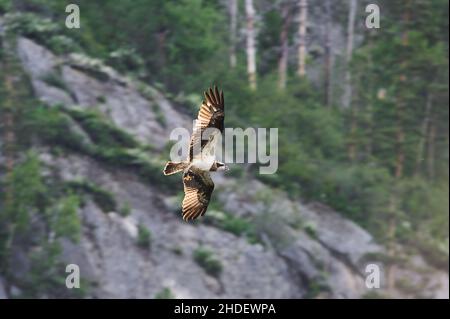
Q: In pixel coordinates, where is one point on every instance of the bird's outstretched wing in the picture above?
(198, 187)
(210, 115)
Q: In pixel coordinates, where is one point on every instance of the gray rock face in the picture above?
(309, 250)
(331, 255)
(149, 119)
(2, 290)
(109, 255)
(339, 235)
(40, 64)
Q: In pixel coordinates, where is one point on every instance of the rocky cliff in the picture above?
(255, 241)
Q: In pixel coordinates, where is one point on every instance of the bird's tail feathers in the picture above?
(174, 167)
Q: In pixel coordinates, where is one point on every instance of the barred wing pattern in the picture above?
(211, 115)
(198, 187)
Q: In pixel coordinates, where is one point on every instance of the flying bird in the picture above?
(198, 185)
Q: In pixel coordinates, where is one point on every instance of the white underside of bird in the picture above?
(206, 158)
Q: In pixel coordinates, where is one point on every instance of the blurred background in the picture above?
(85, 119)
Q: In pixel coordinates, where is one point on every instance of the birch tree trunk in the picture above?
(233, 30)
(303, 20)
(251, 49)
(348, 57)
(284, 40)
(328, 55)
(348, 85)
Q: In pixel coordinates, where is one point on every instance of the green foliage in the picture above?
(66, 221)
(112, 145)
(5, 5)
(41, 29)
(35, 212)
(31, 197)
(103, 198)
(356, 191)
(55, 128)
(42, 277)
(125, 210)
(160, 118)
(165, 293)
(423, 219)
(46, 277)
(101, 99)
(270, 229)
(54, 79)
(206, 259)
(144, 238)
(425, 202)
(311, 230)
(127, 60)
(175, 50)
(61, 44)
(101, 131)
(226, 221)
(316, 286)
(28, 191)
(435, 251)
(374, 295)
(30, 25)
(138, 162)
(186, 45)
(177, 250)
(236, 225)
(236, 171)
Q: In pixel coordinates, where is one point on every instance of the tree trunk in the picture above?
(423, 133)
(8, 123)
(233, 29)
(348, 57)
(328, 55)
(391, 236)
(161, 38)
(369, 106)
(400, 141)
(251, 49)
(400, 157)
(431, 150)
(303, 20)
(348, 85)
(400, 107)
(8, 126)
(353, 126)
(284, 40)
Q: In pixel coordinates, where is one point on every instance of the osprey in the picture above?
(198, 185)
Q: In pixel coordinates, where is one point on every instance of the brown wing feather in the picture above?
(211, 114)
(198, 187)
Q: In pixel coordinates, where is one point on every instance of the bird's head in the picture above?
(222, 167)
